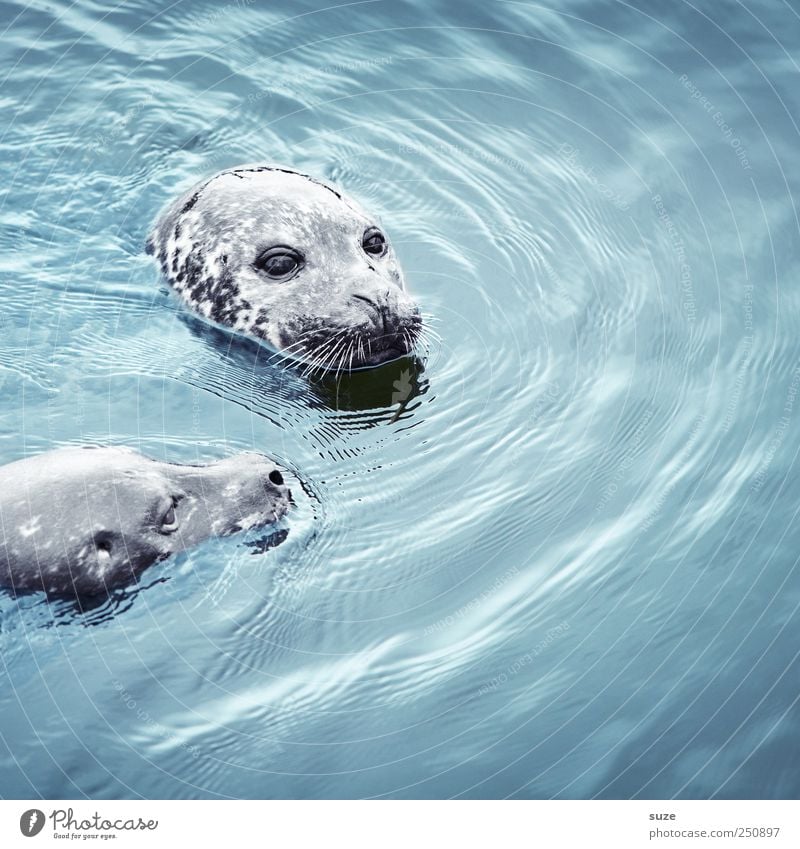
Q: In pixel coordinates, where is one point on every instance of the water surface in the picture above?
(559, 558)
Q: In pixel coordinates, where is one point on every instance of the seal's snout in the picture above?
(255, 482)
(380, 311)
(278, 483)
(274, 487)
(389, 312)
(394, 324)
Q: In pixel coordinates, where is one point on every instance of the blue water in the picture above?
(566, 566)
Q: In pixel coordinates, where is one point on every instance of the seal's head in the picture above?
(274, 254)
(82, 521)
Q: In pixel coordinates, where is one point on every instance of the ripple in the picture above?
(596, 436)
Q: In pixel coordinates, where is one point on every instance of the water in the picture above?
(566, 566)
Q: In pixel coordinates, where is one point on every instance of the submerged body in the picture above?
(82, 521)
(288, 260)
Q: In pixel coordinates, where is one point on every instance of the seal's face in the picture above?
(81, 521)
(274, 254)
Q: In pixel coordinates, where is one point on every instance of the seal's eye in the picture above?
(374, 242)
(280, 262)
(169, 521)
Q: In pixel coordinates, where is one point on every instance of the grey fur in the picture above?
(82, 521)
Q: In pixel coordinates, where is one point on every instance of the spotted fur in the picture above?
(341, 302)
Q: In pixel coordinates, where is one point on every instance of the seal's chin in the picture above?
(377, 350)
(338, 352)
(381, 355)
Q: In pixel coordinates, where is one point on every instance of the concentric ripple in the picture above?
(552, 554)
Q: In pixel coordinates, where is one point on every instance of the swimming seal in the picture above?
(287, 259)
(78, 522)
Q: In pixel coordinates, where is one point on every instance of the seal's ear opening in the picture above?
(103, 547)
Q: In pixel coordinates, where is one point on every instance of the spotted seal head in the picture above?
(78, 522)
(289, 260)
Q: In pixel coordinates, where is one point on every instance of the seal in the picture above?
(79, 522)
(279, 256)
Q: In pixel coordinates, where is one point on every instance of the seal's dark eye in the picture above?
(169, 521)
(374, 242)
(280, 266)
(280, 262)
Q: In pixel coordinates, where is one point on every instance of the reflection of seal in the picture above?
(81, 521)
(277, 255)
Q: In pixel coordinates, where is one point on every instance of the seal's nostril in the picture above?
(276, 477)
(382, 310)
